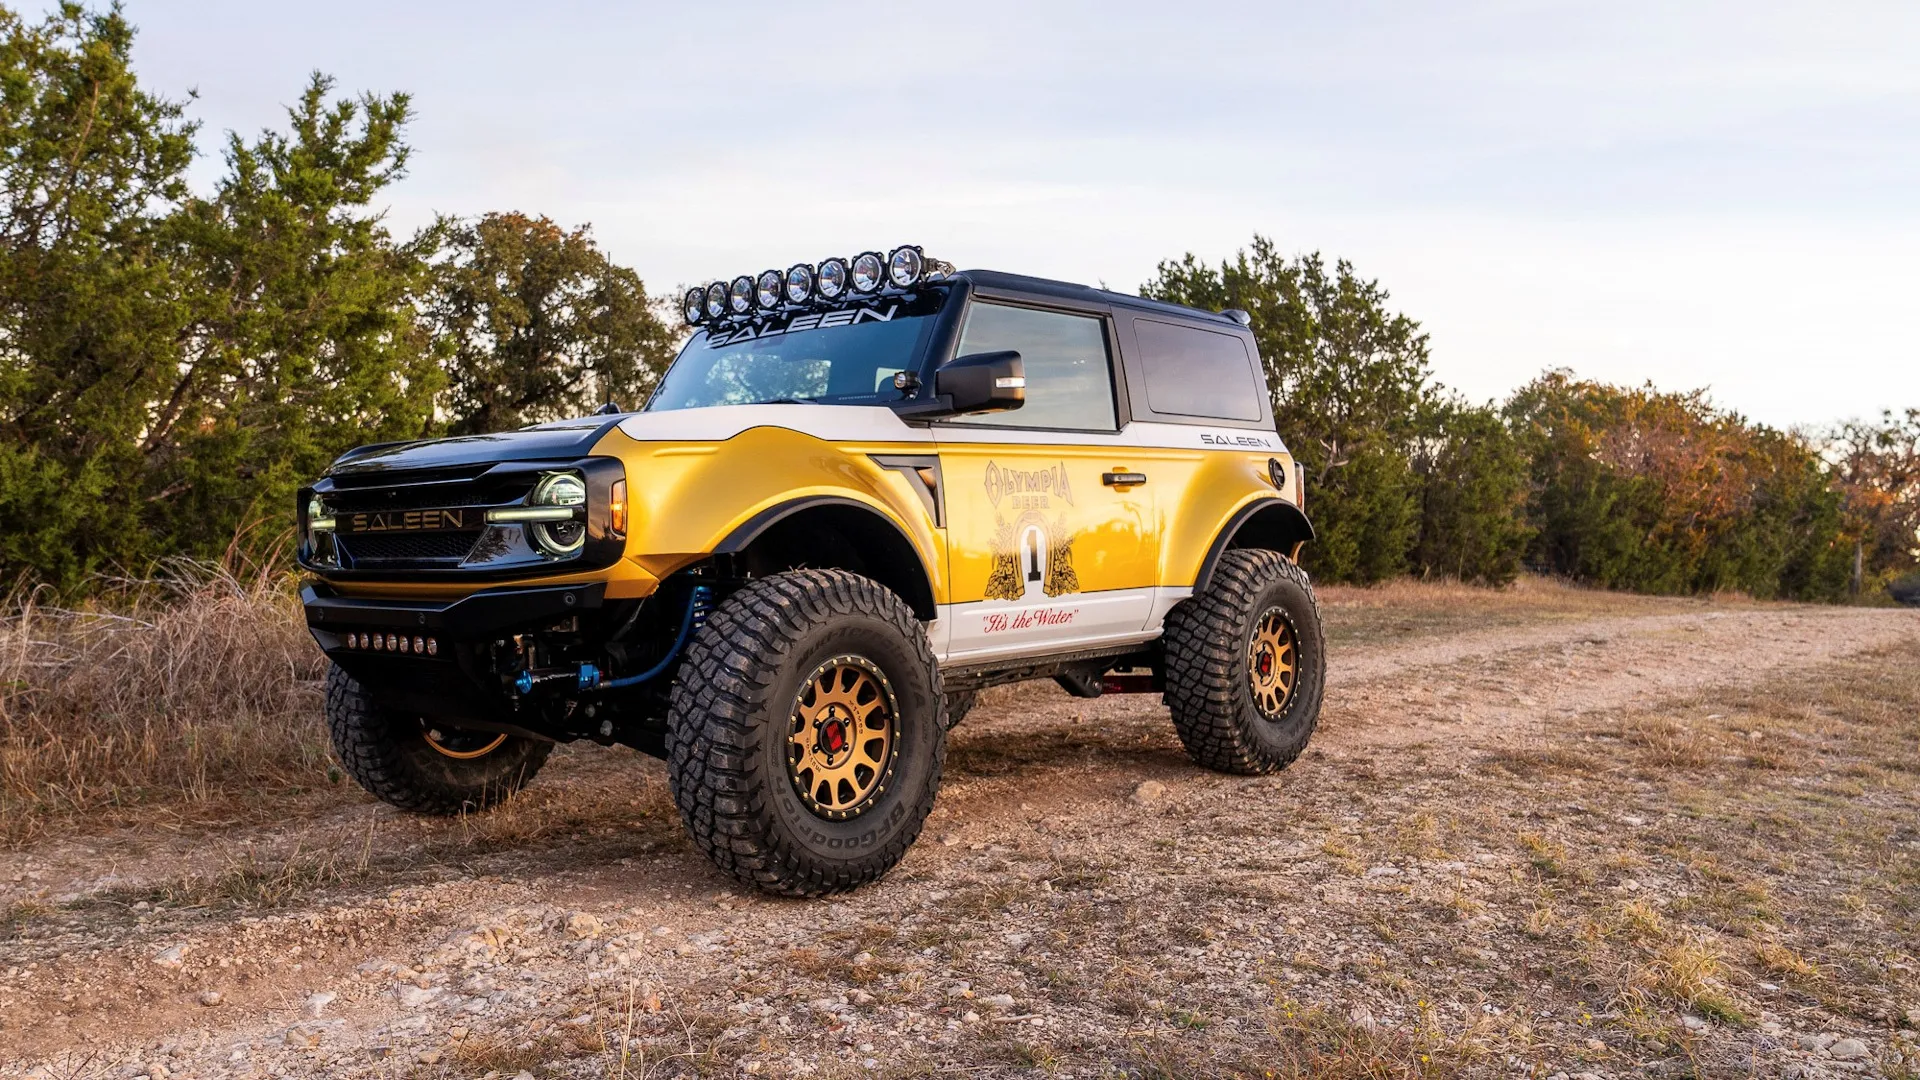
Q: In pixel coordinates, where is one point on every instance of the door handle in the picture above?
(1123, 479)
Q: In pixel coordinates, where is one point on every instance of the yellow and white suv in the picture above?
(865, 490)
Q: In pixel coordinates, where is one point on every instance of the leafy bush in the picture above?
(1626, 489)
(1662, 493)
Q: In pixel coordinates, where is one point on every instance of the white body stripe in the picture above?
(830, 423)
(987, 630)
(875, 423)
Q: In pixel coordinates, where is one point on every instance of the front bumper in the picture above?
(479, 616)
(454, 682)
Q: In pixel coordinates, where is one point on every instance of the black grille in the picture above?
(364, 547)
(429, 496)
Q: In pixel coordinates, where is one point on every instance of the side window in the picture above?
(1069, 376)
(1194, 372)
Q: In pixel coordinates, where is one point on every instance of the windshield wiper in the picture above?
(790, 401)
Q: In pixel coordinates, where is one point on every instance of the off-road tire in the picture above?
(1209, 686)
(388, 754)
(959, 704)
(730, 721)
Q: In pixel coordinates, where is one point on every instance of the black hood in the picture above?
(562, 440)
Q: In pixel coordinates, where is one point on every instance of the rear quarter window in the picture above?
(1195, 372)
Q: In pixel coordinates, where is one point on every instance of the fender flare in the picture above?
(744, 534)
(1276, 517)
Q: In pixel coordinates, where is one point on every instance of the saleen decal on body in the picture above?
(1234, 440)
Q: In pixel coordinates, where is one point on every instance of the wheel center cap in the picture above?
(834, 736)
(1263, 662)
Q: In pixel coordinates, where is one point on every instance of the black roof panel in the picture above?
(1067, 290)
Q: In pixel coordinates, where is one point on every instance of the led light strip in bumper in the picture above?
(393, 643)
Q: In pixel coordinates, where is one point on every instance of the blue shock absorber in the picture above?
(699, 604)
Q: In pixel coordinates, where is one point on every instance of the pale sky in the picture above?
(1720, 194)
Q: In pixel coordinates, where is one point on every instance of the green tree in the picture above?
(1349, 381)
(1662, 492)
(1877, 470)
(1473, 495)
(91, 304)
(304, 338)
(541, 325)
(171, 365)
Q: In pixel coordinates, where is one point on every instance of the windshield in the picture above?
(847, 356)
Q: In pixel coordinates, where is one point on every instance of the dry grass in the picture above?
(1406, 608)
(1577, 897)
(186, 690)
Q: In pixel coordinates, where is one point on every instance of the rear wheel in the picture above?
(806, 732)
(420, 765)
(1246, 662)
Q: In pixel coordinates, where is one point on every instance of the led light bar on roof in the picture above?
(831, 281)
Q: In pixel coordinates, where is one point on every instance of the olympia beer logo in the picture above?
(1032, 557)
(1029, 489)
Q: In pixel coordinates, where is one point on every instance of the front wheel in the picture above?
(1246, 663)
(806, 732)
(420, 765)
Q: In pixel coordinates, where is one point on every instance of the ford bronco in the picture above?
(865, 490)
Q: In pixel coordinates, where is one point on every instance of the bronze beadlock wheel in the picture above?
(841, 746)
(1246, 664)
(420, 764)
(463, 745)
(1272, 663)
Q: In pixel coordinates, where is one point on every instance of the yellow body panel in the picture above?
(1200, 491)
(685, 498)
(1004, 499)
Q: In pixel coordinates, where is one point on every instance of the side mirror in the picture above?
(982, 382)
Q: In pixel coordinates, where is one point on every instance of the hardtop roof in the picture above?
(1067, 290)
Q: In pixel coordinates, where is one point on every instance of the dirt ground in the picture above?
(1541, 832)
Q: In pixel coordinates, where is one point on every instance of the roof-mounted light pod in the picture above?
(768, 290)
(693, 308)
(716, 300)
(833, 279)
(740, 295)
(799, 283)
(869, 273)
(905, 267)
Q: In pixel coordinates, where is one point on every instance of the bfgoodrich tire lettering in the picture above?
(390, 755)
(730, 725)
(1210, 683)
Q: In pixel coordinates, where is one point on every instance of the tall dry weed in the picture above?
(194, 687)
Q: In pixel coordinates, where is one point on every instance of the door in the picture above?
(1051, 541)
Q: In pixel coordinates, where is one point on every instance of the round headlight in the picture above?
(832, 282)
(740, 296)
(767, 291)
(560, 489)
(716, 299)
(905, 266)
(559, 537)
(694, 307)
(869, 272)
(799, 283)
